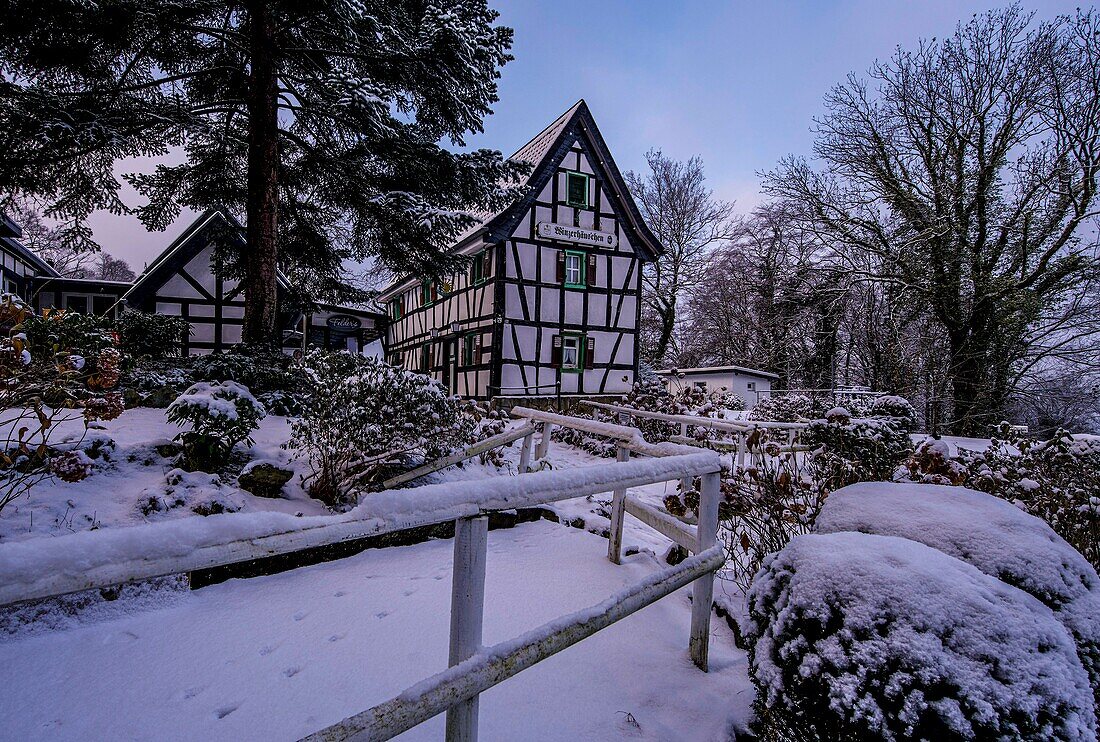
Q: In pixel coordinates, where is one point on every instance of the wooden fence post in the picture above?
(467, 612)
(544, 441)
(741, 438)
(702, 590)
(618, 507)
(525, 453)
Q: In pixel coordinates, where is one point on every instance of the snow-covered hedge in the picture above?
(221, 415)
(780, 407)
(898, 409)
(854, 450)
(856, 636)
(996, 537)
(362, 417)
(150, 335)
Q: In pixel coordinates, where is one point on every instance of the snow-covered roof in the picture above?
(719, 370)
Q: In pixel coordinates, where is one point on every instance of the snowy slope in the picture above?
(281, 656)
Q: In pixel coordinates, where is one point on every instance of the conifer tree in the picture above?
(321, 123)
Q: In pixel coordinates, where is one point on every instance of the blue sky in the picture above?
(736, 82)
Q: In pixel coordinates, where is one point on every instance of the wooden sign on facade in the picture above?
(551, 231)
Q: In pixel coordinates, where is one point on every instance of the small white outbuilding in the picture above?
(747, 383)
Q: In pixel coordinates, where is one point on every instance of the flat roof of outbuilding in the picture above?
(719, 370)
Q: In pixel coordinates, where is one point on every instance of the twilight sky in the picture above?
(736, 82)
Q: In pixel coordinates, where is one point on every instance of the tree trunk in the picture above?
(261, 258)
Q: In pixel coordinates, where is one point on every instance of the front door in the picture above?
(450, 365)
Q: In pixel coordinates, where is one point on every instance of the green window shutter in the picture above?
(576, 189)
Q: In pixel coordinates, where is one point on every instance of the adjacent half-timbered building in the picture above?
(186, 281)
(20, 269)
(551, 302)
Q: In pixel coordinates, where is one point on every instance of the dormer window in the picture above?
(576, 190)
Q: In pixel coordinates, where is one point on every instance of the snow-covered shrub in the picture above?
(1057, 480)
(362, 418)
(52, 370)
(781, 408)
(482, 423)
(764, 506)
(855, 636)
(58, 333)
(724, 399)
(221, 415)
(898, 409)
(996, 537)
(931, 463)
(268, 374)
(148, 335)
(851, 450)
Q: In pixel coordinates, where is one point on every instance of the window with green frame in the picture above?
(576, 190)
(572, 352)
(469, 345)
(574, 269)
(429, 292)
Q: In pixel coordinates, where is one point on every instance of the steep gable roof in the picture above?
(543, 153)
(189, 243)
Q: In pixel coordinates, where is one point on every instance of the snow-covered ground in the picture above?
(281, 656)
(135, 472)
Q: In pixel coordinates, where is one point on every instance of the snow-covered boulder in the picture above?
(855, 636)
(992, 534)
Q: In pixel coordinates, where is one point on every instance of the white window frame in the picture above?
(571, 343)
(574, 269)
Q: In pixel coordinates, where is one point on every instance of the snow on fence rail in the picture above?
(43, 568)
(745, 442)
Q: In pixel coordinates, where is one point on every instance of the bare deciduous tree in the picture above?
(968, 173)
(688, 220)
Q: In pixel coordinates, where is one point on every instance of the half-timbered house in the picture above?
(187, 281)
(551, 301)
(184, 280)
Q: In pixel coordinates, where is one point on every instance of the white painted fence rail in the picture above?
(43, 568)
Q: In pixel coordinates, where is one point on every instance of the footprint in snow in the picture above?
(291, 671)
(268, 649)
(300, 615)
(225, 711)
(381, 614)
(339, 593)
(336, 637)
(407, 593)
(192, 692)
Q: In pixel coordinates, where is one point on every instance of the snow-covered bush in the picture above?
(270, 376)
(763, 507)
(60, 333)
(898, 409)
(143, 335)
(724, 399)
(856, 636)
(996, 537)
(362, 418)
(45, 382)
(1057, 480)
(781, 408)
(931, 463)
(221, 415)
(851, 450)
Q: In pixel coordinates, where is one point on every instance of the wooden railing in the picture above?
(747, 441)
(44, 568)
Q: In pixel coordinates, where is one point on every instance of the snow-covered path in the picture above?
(281, 656)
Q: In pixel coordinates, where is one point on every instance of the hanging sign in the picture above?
(551, 231)
(343, 322)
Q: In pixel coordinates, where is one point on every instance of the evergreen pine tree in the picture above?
(320, 122)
